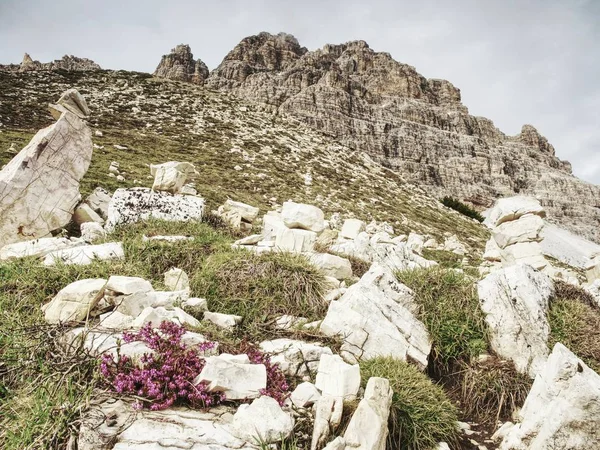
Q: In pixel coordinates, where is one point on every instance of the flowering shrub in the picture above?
(166, 375)
(277, 385)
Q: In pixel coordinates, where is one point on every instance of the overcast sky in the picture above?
(515, 62)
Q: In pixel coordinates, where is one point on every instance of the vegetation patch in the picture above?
(449, 308)
(421, 414)
(462, 208)
(261, 286)
(490, 390)
(574, 321)
(444, 258)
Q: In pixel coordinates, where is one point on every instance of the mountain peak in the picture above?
(179, 65)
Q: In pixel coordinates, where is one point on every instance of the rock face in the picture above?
(515, 302)
(419, 126)
(562, 410)
(39, 188)
(179, 65)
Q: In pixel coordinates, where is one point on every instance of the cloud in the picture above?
(516, 62)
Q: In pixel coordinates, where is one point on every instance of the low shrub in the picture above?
(462, 208)
(165, 376)
(421, 414)
(574, 320)
(449, 308)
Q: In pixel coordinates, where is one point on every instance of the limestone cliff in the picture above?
(418, 126)
(179, 65)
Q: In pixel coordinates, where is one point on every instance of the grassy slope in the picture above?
(160, 121)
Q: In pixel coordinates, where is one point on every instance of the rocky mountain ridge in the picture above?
(369, 102)
(416, 126)
(67, 62)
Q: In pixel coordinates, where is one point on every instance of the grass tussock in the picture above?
(259, 287)
(450, 310)
(444, 258)
(490, 390)
(421, 414)
(574, 321)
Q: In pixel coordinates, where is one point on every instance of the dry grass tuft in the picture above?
(490, 390)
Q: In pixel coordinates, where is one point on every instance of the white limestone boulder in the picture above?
(272, 222)
(332, 265)
(511, 208)
(376, 317)
(305, 394)
(328, 416)
(263, 420)
(37, 247)
(246, 212)
(492, 251)
(368, 428)
(562, 409)
(128, 285)
(176, 280)
(237, 380)
(594, 290)
(74, 302)
(133, 304)
(295, 358)
(136, 204)
(352, 228)
(85, 254)
(337, 378)
(158, 315)
(524, 253)
(72, 101)
(227, 321)
(116, 425)
(527, 228)
(39, 187)
(515, 301)
(300, 215)
(296, 241)
(171, 176)
(99, 200)
(92, 231)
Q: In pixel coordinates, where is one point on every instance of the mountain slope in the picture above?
(241, 153)
(414, 125)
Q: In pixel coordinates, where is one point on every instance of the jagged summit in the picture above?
(179, 65)
(67, 62)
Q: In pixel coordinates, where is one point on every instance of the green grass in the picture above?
(259, 287)
(444, 258)
(42, 389)
(421, 414)
(574, 320)
(450, 311)
(486, 391)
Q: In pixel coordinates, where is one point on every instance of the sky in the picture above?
(515, 61)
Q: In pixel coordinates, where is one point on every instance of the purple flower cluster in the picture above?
(277, 386)
(164, 376)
